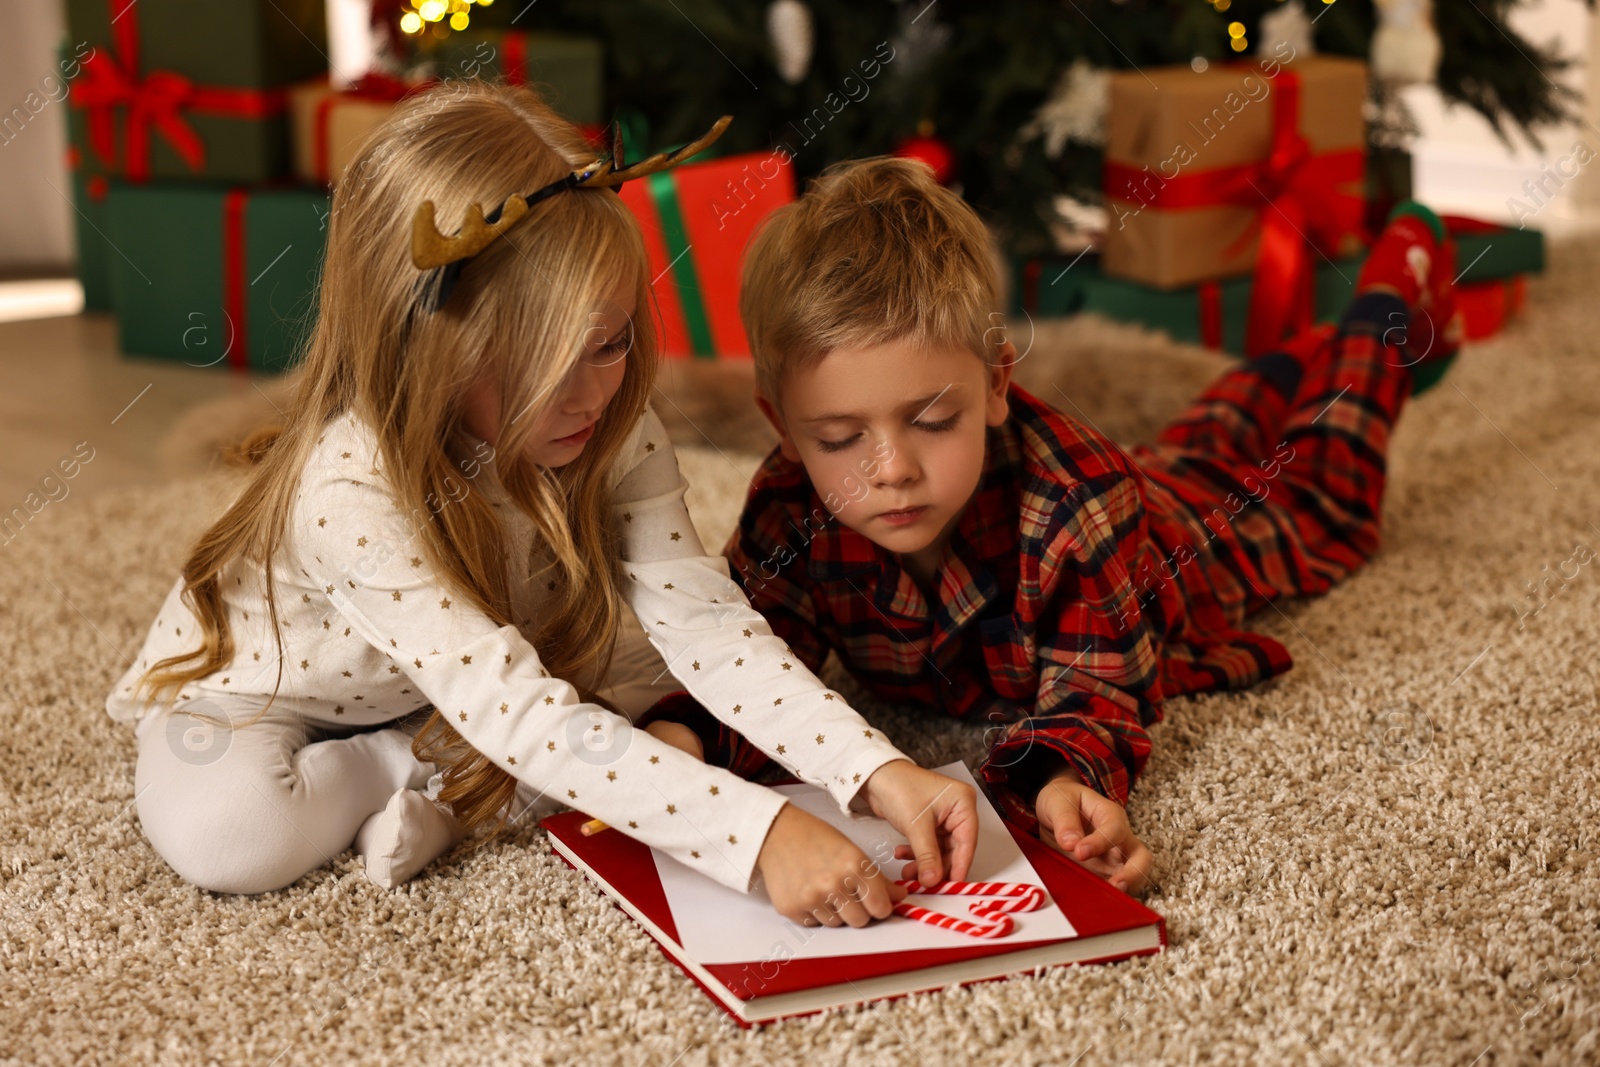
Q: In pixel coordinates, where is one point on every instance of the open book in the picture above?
(760, 966)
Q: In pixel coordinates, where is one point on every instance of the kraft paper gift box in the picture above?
(1246, 167)
(327, 125)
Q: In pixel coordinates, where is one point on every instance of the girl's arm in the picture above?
(721, 648)
(350, 538)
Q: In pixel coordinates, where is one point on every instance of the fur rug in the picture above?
(1386, 856)
(708, 402)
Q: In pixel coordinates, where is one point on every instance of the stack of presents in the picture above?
(206, 140)
(1240, 201)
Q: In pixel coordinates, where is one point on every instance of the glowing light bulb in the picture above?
(1235, 29)
(1240, 44)
(411, 22)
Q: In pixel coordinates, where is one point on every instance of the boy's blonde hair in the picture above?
(520, 318)
(875, 251)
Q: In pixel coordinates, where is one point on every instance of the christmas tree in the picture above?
(1008, 98)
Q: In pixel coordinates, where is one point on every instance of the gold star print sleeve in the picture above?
(349, 534)
(720, 647)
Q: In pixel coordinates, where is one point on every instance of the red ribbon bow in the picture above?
(1304, 208)
(158, 100)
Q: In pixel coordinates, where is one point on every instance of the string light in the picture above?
(441, 16)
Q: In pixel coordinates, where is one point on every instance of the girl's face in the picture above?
(559, 436)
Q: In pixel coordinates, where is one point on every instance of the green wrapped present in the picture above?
(1487, 251)
(216, 276)
(186, 89)
(1213, 314)
(89, 192)
(568, 69)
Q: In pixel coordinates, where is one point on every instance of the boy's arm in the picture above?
(1098, 653)
(720, 744)
(764, 554)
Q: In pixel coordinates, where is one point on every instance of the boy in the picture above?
(964, 547)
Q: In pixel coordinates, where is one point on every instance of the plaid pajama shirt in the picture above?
(1085, 584)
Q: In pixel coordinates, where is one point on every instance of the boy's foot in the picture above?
(1415, 259)
(407, 835)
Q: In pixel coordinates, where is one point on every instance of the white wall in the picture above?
(1461, 166)
(36, 232)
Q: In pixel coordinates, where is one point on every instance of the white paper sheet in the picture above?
(719, 925)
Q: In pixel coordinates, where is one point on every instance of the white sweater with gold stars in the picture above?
(371, 634)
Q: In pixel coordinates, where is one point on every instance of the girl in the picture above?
(427, 568)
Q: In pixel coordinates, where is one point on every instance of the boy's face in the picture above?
(892, 427)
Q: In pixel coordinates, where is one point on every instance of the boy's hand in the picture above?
(1066, 808)
(678, 736)
(935, 814)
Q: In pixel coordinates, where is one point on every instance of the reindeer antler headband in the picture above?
(431, 249)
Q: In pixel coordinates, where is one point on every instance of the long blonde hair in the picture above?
(518, 316)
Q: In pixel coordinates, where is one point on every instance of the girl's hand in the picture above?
(1066, 807)
(816, 875)
(937, 815)
(678, 736)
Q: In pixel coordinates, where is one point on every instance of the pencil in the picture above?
(592, 827)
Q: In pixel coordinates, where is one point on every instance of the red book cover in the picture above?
(1110, 925)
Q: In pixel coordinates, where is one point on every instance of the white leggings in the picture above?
(250, 810)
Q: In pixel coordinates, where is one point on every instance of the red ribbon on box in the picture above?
(235, 293)
(514, 64)
(158, 100)
(1211, 314)
(1304, 209)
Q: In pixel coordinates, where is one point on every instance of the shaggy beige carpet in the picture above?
(1385, 856)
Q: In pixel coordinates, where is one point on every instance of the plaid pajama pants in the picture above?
(1273, 476)
(1277, 470)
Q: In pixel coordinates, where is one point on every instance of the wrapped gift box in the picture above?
(185, 89)
(568, 69)
(1214, 314)
(1487, 251)
(216, 276)
(1200, 166)
(89, 191)
(1487, 306)
(328, 125)
(697, 219)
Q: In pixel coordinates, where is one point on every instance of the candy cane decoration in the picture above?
(1014, 896)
